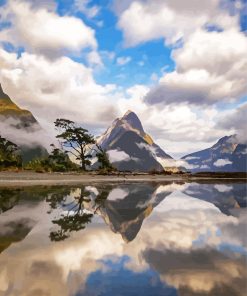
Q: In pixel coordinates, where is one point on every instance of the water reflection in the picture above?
(126, 239)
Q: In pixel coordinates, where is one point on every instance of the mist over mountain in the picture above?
(20, 118)
(21, 127)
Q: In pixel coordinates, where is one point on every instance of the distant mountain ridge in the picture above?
(129, 147)
(20, 121)
(227, 155)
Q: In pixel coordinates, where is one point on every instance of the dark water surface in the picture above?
(124, 239)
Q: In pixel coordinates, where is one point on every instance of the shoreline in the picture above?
(15, 179)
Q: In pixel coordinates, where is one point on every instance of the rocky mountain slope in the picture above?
(129, 147)
(227, 155)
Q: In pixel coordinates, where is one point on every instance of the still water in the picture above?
(124, 239)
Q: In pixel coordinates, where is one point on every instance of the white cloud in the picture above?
(192, 157)
(147, 147)
(43, 31)
(209, 69)
(51, 89)
(223, 187)
(94, 59)
(167, 19)
(174, 127)
(222, 162)
(204, 166)
(116, 155)
(235, 120)
(123, 60)
(171, 163)
(32, 136)
(84, 7)
(117, 194)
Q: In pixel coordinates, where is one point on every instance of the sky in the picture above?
(181, 66)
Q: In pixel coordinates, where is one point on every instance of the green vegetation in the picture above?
(9, 154)
(57, 161)
(73, 139)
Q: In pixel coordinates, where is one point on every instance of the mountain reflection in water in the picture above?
(124, 239)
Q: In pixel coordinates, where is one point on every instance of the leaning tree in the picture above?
(75, 140)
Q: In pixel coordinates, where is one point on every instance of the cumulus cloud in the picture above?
(170, 20)
(222, 162)
(40, 30)
(209, 70)
(235, 120)
(54, 88)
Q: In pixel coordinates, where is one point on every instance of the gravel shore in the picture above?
(32, 178)
(28, 178)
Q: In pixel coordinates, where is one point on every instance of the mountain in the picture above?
(129, 147)
(127, 206)
(226, 197)
(19, 126)
(9, 110)
(125, 215)
(227, 155)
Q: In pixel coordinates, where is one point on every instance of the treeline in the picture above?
(76, 143)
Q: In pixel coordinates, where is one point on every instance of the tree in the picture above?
(75, 140)
(9, 154)
(103, 159)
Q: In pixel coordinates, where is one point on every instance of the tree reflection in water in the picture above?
(76, 217)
